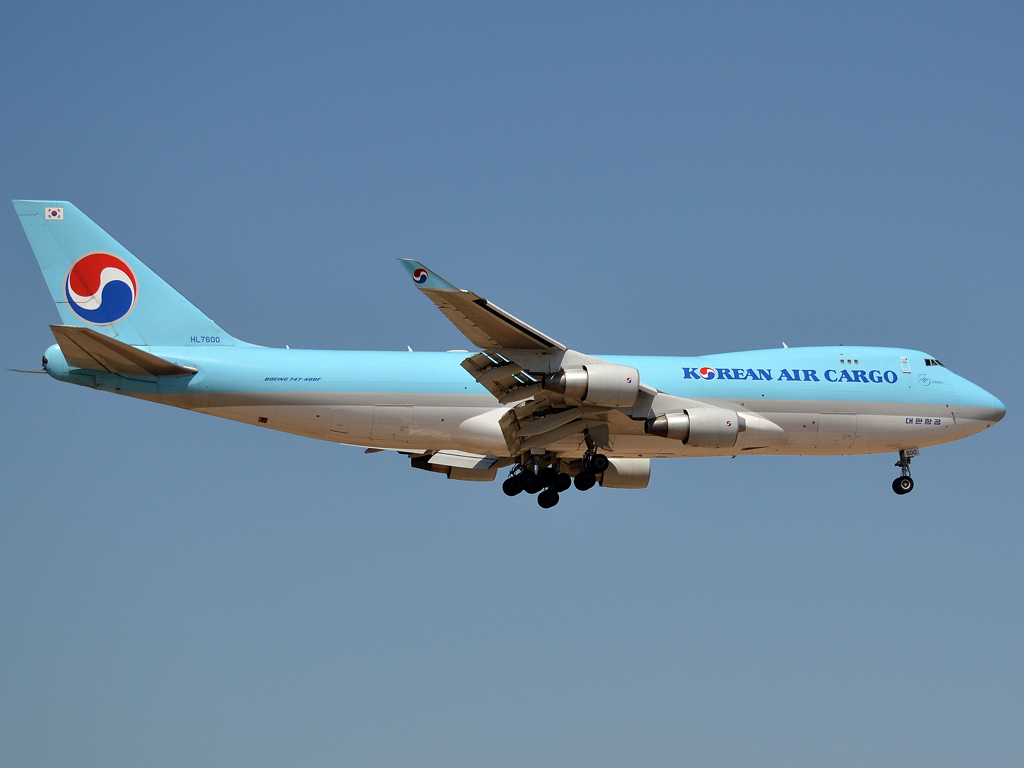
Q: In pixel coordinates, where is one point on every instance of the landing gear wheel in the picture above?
(598, 463)
(547, 499)
(531, 483)
(513, 486)
(903, 485)
(584, 481)
(562, 483)
(547, 476)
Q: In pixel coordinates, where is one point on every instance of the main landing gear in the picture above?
(547, 482)
(592, 465)
(904, 483)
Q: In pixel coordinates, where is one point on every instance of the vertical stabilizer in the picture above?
(98, 283)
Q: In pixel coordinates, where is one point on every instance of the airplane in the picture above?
(552, 416)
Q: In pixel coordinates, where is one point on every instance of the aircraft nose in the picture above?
(984, 406)
(999, 410)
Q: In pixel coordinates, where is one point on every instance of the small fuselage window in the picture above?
(933, 361)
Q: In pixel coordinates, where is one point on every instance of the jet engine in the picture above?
(632, 474)
(608, 384)
(701, 427)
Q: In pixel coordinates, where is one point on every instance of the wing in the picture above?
(493, 329)
(561, 402)
(484, 324)
(512, 367)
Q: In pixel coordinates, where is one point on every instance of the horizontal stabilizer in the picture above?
(85, 348)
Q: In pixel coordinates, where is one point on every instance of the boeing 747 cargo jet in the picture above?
(552, 416)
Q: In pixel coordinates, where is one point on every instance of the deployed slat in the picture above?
(499, 372)
(505, 380)
(521, 393)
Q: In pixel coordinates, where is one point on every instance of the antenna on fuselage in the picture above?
(785, 345)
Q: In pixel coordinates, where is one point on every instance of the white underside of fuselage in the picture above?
(418, 423)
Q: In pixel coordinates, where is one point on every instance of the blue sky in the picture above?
(176, 589)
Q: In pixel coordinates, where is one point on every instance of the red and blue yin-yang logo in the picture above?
(100, 288)
(707, 373)
(420, 275)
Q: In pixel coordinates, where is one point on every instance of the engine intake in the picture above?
(617, 386)
(703, 427)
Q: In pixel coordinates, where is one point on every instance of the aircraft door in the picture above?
(836, 431)
(341, 420)
(352, 421)
(392, 424)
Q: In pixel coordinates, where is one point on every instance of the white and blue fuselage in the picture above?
(827, 400)
(554, 415)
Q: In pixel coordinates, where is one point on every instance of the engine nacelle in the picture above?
(632, 474)
(702, 427)
(617, 386)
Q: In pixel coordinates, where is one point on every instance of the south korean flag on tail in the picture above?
(54, 214)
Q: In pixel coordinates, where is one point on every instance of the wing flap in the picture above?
(85, 348)
(459, 465)
(462, 459)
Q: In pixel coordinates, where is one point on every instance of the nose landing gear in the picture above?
(904, 483)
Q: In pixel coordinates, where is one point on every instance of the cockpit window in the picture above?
(933, 361)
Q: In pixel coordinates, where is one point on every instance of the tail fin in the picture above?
(97, 283)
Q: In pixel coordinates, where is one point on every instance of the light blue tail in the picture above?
(97, 283)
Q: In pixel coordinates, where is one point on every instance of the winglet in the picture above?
(425, 278)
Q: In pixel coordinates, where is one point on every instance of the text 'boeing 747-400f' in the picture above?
(555, 417)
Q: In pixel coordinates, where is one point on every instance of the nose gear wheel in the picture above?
(904, 483)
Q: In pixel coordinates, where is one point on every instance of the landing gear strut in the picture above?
(904, 483)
